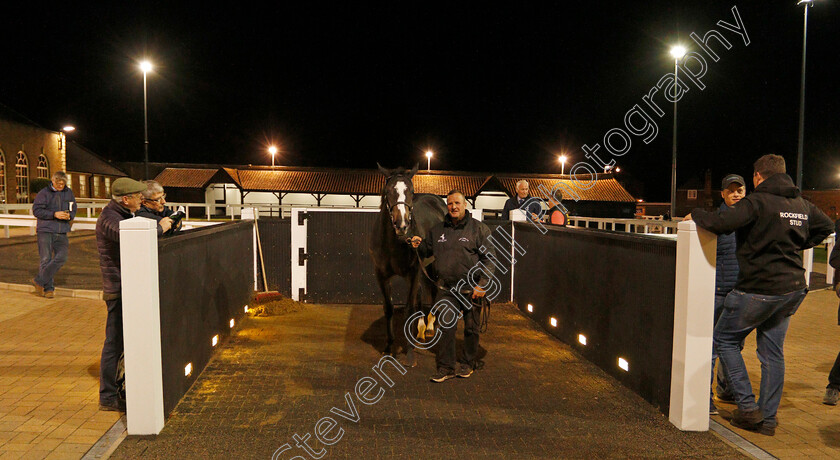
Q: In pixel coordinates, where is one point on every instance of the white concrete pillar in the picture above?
(808, 263)
(694, 297)
(141, 326)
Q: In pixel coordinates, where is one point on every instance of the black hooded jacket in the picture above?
(771, 225)
(456, 248)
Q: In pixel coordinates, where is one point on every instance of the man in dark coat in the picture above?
(772, 225)
(125, 201)
(522, 195)
(455, 243)
(154, 207)
(832, 391)
(732, 190)
(55, 208)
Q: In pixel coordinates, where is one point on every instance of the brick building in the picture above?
(27, 152)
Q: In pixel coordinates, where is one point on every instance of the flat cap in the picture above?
(126, 186)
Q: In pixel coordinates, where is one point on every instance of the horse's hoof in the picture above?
(410, 360)
(421, 330)
(431, 323)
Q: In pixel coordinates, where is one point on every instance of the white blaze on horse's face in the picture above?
(400, 188)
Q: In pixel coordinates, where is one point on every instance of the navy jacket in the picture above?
(48, 202)
(154, 215)
(513, 203)
(726, 274)
(108, 243)
(456, 250)
(771, 225)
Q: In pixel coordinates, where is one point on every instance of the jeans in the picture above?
(770, 316)
(111, 351)
(722, 387)
(445, 355)
(52, 251)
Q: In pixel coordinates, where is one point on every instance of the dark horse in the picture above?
(402, 214)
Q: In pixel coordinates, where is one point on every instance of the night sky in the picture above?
(486, 88)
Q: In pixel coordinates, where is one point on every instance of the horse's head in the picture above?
(398, 197)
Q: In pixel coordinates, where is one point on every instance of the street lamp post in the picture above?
(800, 144)
(428, 160)
(562, 160)
(146, 67)
(272, 150)
(677, 53)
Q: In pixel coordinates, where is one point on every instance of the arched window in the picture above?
(22, 176)
(2, 178)
(43, 167)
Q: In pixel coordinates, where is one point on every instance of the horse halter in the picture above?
(409, 210)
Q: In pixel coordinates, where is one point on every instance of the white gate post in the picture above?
(829, 270)
(694, 295)
(141, 325)
(808, 263)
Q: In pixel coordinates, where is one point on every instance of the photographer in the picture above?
(154, 207)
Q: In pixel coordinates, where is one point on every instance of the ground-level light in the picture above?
(188, 370)
(232, 323)
(582, 339)
(215, 340)
(553, 321)
(622, 363)
(530, 308)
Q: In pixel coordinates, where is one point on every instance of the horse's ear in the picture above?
(383, 170)
(413, 170)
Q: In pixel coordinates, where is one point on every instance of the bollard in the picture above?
(141, 326)
(694, 296)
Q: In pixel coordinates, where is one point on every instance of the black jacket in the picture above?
(772, 224)
(456, 249)
(726, 270)
(108, 243)
(513, 203)
(154, 215)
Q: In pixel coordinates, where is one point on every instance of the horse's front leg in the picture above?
(388, 305)
(412, 305)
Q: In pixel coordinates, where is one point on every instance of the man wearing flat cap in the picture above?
(126, 198)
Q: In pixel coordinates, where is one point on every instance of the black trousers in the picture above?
(834, 375)
(111, 351)
(445, 353)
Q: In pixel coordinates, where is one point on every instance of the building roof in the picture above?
(187, 177)
(370, 182)
(82, 160)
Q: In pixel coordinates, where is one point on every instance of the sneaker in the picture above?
(713, 410)
(39, 290)
(831, 396)
(442, 375)
(748, 420)
(49, 294)
(114, 405)
(465, 371)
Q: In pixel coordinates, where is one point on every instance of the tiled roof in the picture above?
(82, 160)
(605, 188)
(186, 177)
(370, 182)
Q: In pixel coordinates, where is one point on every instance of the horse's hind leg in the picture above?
(388, 305)
(430, 290)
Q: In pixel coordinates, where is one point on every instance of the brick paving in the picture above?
(807, 428)
(536, 398)
(49, 376)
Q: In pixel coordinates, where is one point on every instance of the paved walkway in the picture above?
(49, 376)
(807, 428)
(278, 376)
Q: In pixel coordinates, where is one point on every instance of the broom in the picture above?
(266, 295)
